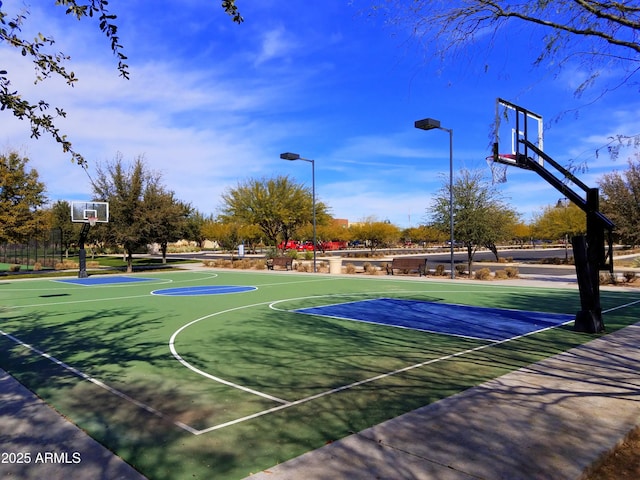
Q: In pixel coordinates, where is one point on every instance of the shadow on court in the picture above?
(301, 357)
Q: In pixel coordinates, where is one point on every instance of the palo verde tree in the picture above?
(375, 233)
(621, 202)
(21, 195)
(602, 36)
(48, 62)
(279, 206)
(481, 216)
(562, 221)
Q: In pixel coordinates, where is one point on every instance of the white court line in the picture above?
(621, 306)
(99, 383)
(372, 379)
(178, 357)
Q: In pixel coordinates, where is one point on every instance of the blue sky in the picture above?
(211, 103)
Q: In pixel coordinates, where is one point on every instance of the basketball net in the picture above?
(498, 170)
(92, 221)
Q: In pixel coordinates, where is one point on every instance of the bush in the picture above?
(607, 279)
(304, 267)
(37, 266)
(350, 268)
(460, 269)
(512, 272)
(66, 265)
(483, 274)
(440, 270)
(630, 277)
(501, 274)
(370, 269)
(14, 268)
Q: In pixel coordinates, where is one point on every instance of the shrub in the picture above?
(303, 267)
(512, 272)
(607, 279)
(14, 268)
(293, 254)
(460, 269)
(630, 277)
(350, 268)
(501, 274)
(440, 270)
(308, 255)
(636, 262)
(370, 269)
(483, 274)
(66, 264)
(37, 266)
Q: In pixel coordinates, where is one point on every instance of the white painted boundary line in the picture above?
(286, 404)
(178, 357)
(99, 383)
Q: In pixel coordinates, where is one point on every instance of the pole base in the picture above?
(589, 321)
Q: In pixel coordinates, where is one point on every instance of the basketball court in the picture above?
(218, 374)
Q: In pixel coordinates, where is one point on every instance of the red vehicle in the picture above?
(334, 245)
(291, 245)
(305, 246)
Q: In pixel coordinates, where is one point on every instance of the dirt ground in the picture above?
(622, 463)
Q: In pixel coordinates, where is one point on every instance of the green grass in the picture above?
(120, 336)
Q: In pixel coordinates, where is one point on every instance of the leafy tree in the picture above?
(230, 234)
(481, 217)
(621, 202)
(374, 233)
(424, 234)
(278, 206)
(521, 233)
(193, 227)
(564, 220)
(124, 188)
(61, 218)
(602, 35)
(21, 194)
(49, 64)
(165, 217)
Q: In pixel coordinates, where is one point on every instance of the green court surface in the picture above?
(191, 375)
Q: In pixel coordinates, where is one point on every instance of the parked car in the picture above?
(305, 246)
(291, 245)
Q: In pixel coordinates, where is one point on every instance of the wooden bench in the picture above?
(407, 264)
(286, 262)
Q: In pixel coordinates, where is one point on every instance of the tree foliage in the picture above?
(277, 205)
(48, 63)
(602, 35)
(21, 194)
(165, 217)
(620, 202)
(141, 210)
(564, 220)
(481, 216)
(374, 233)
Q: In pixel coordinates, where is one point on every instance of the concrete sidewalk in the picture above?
(37, 443)
(550, 420)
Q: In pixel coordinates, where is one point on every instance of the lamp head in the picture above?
(289, 156)
(427, 124)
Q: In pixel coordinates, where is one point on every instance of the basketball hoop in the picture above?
(498, 169)
(92, 221)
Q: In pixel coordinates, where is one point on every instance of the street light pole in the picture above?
(293, 157)
(430, 124)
